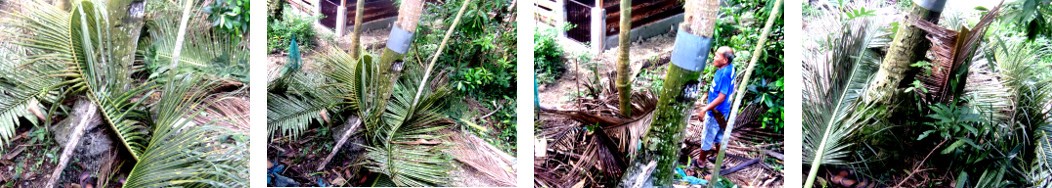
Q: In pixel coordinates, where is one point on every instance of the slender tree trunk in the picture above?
(624, 88)
(356, 37)
(908, 46)
(353, 124)
(85, 114)
(661, 144)
(727, 131)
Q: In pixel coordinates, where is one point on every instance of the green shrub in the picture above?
(548, 55)
(479, 59)
(229, 16)
(280, 32)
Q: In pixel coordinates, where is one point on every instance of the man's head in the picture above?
(724, 56)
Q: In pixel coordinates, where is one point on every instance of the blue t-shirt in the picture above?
(723, 83)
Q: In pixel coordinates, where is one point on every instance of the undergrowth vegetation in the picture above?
(282, 29)
(989, 129)
(480, 64)
(547, 55)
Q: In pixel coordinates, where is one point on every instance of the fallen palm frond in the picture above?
(953, 51)
(832, 88)
(89, 50)
(181, 153)
(476, 153)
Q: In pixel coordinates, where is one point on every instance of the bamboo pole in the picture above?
(775, 13)
(441, 46)
(624, 88)
(661, 143)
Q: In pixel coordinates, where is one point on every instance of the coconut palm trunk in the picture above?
(907, 47)
(390, 64)
(412, 9)
(661, 144)
(356, 37)
(624, 88)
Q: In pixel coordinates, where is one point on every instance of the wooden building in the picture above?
(596, 21)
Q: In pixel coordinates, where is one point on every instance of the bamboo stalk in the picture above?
(775, 13)
(441, 46)
(624, 88)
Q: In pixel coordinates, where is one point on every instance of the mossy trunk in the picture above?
(356, 36)
(661, 143)
(908, 46)
(390, 63)
(624, 89)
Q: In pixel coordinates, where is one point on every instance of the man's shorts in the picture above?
(713, 133)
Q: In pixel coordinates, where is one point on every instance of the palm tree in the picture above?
(907, 47)
(399, 132)
(88, 52)
(624, 88)
(1005, 93)
(662, 141)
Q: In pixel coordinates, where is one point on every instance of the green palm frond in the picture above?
(397, 152)
(83, 43)
(306, 99)
(834, 82)
(290, 115)
(355, 78)
(1026, 78)
(203, 52)
(182, 154)
(20, 88)
(1042, 165)
(121, 111)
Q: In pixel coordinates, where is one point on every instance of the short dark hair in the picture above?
(729, 56)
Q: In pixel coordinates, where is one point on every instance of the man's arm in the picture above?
(712, 105)
(719, 100)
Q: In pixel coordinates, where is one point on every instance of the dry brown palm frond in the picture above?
(476, 153)
(227, 111)
(953, 51)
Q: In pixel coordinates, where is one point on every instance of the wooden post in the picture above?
(560, 19)
(661, 144)
(598, 28)
(316, 10)
(341, 18)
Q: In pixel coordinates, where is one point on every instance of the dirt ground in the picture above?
(651, 55)
(374, 41)
(645, 54)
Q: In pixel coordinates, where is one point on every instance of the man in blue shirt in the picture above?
(718, 100)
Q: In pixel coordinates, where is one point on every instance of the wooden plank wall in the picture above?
(545, 11)
(643, 12)
(374, 10)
